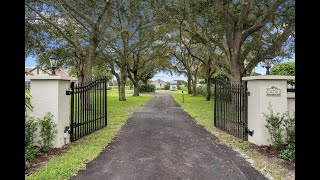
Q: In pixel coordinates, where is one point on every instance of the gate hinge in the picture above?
(250, 132)
(248, 93)
(68, 92)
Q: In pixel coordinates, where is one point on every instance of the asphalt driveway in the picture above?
(161, 141)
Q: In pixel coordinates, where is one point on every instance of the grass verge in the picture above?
(88, 148)
(202, 111)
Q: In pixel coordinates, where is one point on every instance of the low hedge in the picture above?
(147, 88)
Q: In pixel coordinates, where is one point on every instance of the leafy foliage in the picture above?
(147, 88)
(30, 153)
(28, 102)
(285, 69)
(255, 74)
(288, 153)
(274, 122)
(167, 86)
(282, 132)
(30, 129)
(47, 132)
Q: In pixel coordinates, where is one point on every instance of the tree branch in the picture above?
(77, 12)
(56, 26)
(263, 20)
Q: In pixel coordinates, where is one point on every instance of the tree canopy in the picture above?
(135, 39)
(284, 69)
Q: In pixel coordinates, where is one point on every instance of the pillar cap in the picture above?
(52, 78)
(268, 77)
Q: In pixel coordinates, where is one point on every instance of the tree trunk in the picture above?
(136, 89)
(236, 65)
(235, 77)
(123, 80)
(208, 74)
(135, 84)
(194, 85)
(189, 82)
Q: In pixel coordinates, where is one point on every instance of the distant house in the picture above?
(159, 84)
(39, 71)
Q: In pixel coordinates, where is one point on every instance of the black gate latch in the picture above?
(68, 92)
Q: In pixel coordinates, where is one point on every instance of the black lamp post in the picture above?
(53, 62)
(267, 61)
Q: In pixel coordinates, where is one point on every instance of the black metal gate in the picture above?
(231, 108)
(88, 107)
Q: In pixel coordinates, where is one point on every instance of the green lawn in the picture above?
(88, 147)
(197, 107)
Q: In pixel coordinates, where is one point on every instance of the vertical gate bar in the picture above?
(87, 109)
(233, 121)
(76, 111)
(95, 106)
(236, 104)
(220, 105)
(229, 127)
(241, 110)
(90, 108)
(239, 113)
(78, 108)
(234, 108)
(105, 101)
(238, 108)
(215, 103)
(246, 110)
(72, 111)
(228, 112)
(84, 109)
(100, 105)
(224, 107)
(233, 100)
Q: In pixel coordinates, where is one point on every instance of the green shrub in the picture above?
(47, 132)
(167, 87)
(289, 129)
(147, 88)
(30, 129)
(201, 91)
(27, 101)
(282, 133)
(274, 122)
(30, 151)
(109, 88)
(288, 153)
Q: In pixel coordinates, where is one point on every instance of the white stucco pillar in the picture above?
(264, 90)
(49, 95)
